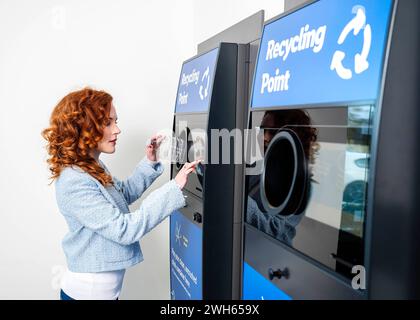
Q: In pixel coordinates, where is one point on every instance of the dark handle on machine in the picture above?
(278, 273)
(197, 217)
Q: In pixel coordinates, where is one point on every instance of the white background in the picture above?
(133, 50)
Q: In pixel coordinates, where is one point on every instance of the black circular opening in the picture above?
(283, 187)
(279, 172)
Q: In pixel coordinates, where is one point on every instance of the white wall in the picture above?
(132, 49)
(212, 17)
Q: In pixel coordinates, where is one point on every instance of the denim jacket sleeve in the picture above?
(279, 227)
(143, 176)
(79, 197)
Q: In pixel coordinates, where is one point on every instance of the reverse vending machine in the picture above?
(204, 242)
(332, 191)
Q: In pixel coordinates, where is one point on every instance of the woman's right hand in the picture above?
(182, 177)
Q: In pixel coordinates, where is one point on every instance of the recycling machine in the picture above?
(331, 203)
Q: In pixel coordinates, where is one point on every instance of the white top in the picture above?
(93, 286)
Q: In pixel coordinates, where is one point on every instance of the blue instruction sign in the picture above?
(327, 52)
(186, 241)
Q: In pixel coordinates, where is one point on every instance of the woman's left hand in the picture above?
(152, 146)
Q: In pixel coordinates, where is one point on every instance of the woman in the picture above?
(103, 237)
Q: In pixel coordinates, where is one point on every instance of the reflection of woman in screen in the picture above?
(281, 227)
(103, 237)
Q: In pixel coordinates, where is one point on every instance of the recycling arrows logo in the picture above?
(178, 235)
(206, 75)
(361, 63)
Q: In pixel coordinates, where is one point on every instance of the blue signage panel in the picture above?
(327, 52)
(196, 83)
(256, 287)
(186, 241)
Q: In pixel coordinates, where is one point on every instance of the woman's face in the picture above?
(111, 131)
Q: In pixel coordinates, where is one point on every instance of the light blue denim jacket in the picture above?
(103, 234)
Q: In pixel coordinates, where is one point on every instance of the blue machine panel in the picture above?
(328, 52)
(196, 83)
(185, 258)
(256, 287)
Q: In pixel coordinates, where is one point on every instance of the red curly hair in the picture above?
(76, 127)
